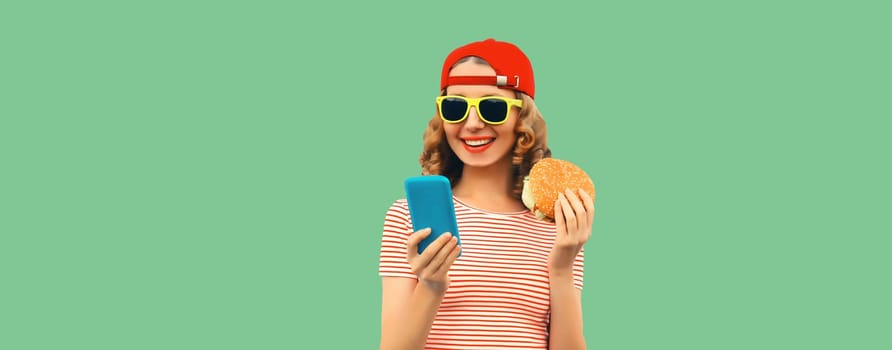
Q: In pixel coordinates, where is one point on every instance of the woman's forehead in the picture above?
(478, 90)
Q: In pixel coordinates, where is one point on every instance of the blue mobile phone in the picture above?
(431, 205)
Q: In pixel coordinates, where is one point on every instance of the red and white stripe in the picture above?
(498, 296)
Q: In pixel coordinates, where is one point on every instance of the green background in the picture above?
(214, 175)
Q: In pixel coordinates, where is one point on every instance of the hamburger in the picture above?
(547, 178)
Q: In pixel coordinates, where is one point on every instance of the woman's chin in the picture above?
(490, 158)
(478, 161)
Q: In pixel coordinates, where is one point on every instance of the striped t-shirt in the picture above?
(498, 296)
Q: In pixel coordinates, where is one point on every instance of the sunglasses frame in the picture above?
(475, 102)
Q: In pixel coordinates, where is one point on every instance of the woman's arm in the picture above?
(573, 221)
(565, 330)
(407, 313)
(408, 307)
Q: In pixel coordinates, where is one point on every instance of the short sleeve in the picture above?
(578, 269)
(397, 228)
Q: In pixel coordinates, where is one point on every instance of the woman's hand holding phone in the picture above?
(432, 265)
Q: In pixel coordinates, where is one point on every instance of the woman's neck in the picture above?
(488, 188)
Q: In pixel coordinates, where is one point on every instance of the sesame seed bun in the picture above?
(547, 178)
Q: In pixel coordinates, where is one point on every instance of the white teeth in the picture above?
(476, 143)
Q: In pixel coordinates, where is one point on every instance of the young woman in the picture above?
(518, 282)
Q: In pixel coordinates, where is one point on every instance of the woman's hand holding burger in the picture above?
(561, 192)
(574, 212)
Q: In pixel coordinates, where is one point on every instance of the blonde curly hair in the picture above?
(437, 157)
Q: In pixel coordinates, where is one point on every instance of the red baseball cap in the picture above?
(512, 66)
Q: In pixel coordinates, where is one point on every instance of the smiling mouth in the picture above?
(478, 143)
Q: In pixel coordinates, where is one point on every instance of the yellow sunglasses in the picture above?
(491, 109)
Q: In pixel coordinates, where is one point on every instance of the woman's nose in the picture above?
(473, 121)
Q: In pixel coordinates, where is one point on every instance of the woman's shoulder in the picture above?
(399, 206)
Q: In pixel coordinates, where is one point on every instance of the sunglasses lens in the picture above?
(453, 109)
(493, 110)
